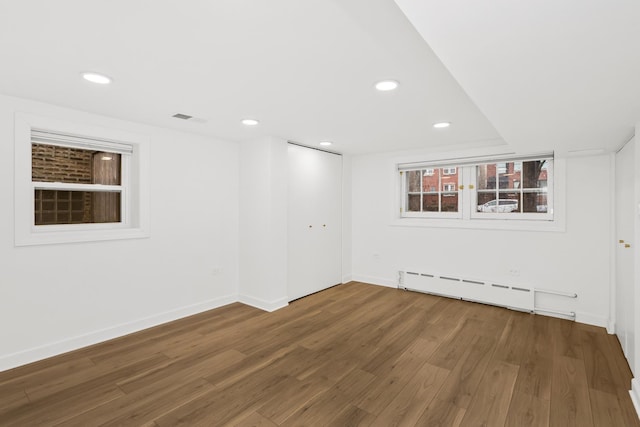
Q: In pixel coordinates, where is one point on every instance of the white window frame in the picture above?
(404, 203)
(134, 187)
(554, 223)
(539, 216)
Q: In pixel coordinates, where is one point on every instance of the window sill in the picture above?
(482, 224)
(64, 235)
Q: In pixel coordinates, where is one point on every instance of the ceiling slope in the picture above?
(561, 75)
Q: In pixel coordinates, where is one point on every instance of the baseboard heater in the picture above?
(487, 292)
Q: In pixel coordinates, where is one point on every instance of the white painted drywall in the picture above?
(635, 383)
(263, 223)
(576, 260)
(55, 298)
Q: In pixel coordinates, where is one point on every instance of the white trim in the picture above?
(37, 185)
(611, 326)
(262, 304)
(135, 213)
(346, 279)
(69, 344)
(466, 160)
(635, 395)
(592, 319)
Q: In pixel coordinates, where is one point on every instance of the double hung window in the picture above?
(78, 180)
(508, 188)
(77, 183)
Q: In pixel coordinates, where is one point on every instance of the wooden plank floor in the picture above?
(354, 354)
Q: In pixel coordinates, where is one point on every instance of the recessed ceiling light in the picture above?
(106, 158)
(326, 143)
(386, 85)
(441, 125)
(250, 122)
(96, 78)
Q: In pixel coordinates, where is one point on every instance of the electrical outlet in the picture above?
(216, 270)
(514, 271)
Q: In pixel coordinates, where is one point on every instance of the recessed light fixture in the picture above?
(386, 85)
(326, 143)
(441, 125)
(107, 158)
(100, 79)
(250, 122)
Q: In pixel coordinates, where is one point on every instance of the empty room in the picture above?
(319, 213)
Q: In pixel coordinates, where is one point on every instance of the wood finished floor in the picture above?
(355, 354)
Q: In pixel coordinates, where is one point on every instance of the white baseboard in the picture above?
(24, 357)
(635, 394)
(389, 283)
(262, 304)
(346, 279)
(593, 319)
(611, 327)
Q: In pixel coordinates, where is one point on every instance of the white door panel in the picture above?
(625, 249)
(315, 221)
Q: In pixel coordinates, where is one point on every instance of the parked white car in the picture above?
(501, 205)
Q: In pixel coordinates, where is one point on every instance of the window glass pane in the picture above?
(50, 163)
(487, 201)
(508, 175)
(486, 177)
(449, 181)
(534, 174)
(413, 203)
(413, 181)
(430, 203)
(76, 207)
(449, 202)
(430, 180)
(508, 202)
(534, 202)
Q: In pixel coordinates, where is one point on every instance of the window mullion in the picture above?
(67, 186)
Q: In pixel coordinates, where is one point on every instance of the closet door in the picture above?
(625, 295)
(315, 221)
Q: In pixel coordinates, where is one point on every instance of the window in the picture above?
(422, 197)
(76, 186)
(516, 188)
(77, 183)
(520, 188)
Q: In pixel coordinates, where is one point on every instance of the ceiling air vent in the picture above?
(182, 116)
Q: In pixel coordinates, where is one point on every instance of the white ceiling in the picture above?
(548, 74)
(560, 75)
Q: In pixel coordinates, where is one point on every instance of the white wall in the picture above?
(576, 260)
(347, 249)
(635, 383)
(263, 223)
(55, 298)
